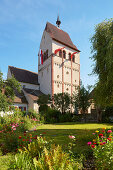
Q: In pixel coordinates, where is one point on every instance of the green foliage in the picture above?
(80, 99)
(43, 108)
(33, 114)
(7, 92)
(35, 148)
(62, 102)
(55, 159)
(44, 99)
(107, 115)
(24, 159)
(51, 115)
(102, 49)
(67, 117)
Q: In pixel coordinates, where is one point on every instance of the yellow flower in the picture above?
(104, 128)
(96, 131)
(94, 140)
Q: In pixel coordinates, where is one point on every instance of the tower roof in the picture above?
(60, 36)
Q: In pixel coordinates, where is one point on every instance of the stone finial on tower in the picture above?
(58, 22)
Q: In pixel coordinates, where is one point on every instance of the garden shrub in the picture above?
(102, 147)
(51, 115)
(107, 115)
(11, 127)
(33, 114)
(40, 155)
(43, 108)
(55, 159)
(66, 117)
(24, 159)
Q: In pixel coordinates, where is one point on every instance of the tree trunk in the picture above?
(99, 115)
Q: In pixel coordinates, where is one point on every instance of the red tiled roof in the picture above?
(24, 76)
(60, 36)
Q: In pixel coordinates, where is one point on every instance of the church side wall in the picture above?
(44, 70)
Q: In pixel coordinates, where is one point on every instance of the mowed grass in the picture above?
(59, 134)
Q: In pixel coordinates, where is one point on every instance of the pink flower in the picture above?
(89, 143)
(109, 131)
(93, 133)
(71, 137)
(30, 140)
(104, 143)
(14, 128)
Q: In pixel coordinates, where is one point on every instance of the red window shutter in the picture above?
(24, 108)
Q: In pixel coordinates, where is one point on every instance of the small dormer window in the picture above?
(57, 76)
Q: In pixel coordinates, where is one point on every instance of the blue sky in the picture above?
(22, 23)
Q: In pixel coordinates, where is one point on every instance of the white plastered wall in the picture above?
(67, 68)
(30, 86)
(44, 70)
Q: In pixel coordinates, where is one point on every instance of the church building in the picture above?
(58, 67)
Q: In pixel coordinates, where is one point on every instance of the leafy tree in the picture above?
(62, 102)
(81, 100)
(7, 92)
(43, 101)
(102, 49)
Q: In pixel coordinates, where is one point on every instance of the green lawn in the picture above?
(59, 134)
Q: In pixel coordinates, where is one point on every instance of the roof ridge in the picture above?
(57, 28)
(23, 69)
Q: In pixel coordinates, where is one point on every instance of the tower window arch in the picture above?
(69, 56)
(64, 54)
(60, 53)
(73, 58)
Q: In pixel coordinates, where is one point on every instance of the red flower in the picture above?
(44, 132)
(100, 135)
(109, 139)
(93, 146)
(23, 139)
(101, 144)
(24, 134)
(20, 137)
(94, 143)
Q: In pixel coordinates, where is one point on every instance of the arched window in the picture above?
(73, 58)
(60, 53)
(69, 55)
(64, 54)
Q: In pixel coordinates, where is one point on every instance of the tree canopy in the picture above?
(7, 92)
(80, 99)
(62, 102)
(102, 49)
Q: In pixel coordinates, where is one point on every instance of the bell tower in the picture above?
(60, 70)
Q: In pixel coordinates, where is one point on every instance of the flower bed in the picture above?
(102, 146)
